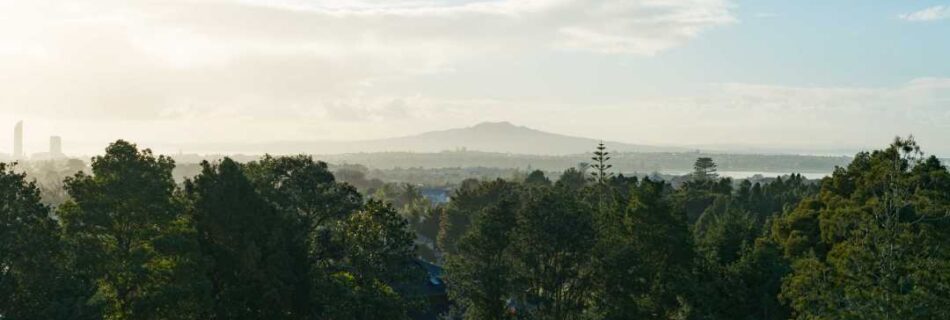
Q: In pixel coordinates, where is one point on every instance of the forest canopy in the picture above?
(282, 237)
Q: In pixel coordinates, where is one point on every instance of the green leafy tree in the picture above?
(36, 281)
(481, 274)
(243, 236)
(379, 243)
(756, 282)
(702, 190)
(346, 297)
(572, 179)
(312, 203)
(537, 178)
(645, 273)
(694, 197)
(303, 188)
(876, 256)
(724, 232)
(128, 230)
(554, 239)
(770, 199)
(377, 271)
(724, 236)
(467, 202)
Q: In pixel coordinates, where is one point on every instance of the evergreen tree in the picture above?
(704, 169)
(724, 236)
(600, 174)
(746, 288)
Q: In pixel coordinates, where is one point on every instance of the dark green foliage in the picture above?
(740, 271)
(739, 266)
(36, 280)
(278, 238)
(311, 203)
(343, 296)
(399, 195)
(244, 239)
(281, 238)
(724, 231)
(770, 199)
(304, 188)
(376, 275)
(466, 203)
(378, 244)
(482, 272)
(537, 178)
(646, 257)
(704, 169)
(622, 249)
(424, 217)
(553, 239)
(528, 252)
(601, 174)
(702, 190)
(572, 179)
(870, 246)
(130, 235)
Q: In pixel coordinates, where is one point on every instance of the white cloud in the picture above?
(230, 70)
(803, 117)
(208, 30)
(929, 14)
(741, 114)
(153, 59)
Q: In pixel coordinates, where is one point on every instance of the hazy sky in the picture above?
(795, 74)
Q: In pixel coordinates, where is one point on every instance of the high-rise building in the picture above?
(18, 141)
(55, 146)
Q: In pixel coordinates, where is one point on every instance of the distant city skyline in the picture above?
(18, 140)
(55, 145)
(19, 152)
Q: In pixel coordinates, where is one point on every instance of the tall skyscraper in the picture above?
(18, 141)
(55, 146)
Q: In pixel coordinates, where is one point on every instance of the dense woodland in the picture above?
(642, 162)
(283, 238)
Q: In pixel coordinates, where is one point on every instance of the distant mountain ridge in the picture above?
(500, 137)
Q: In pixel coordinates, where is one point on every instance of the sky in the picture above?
(791, 76)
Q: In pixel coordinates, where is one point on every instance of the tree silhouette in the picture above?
(601, 157)
(704, 169)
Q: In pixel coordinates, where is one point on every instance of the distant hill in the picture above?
(500, 137)
(503, 137)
